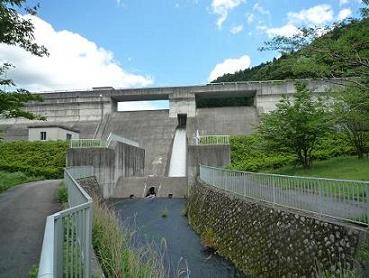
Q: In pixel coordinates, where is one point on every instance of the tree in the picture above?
(340, 50)
(17, 30)
(296, 125)
(351, 110)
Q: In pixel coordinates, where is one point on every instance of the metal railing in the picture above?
(67, 239)
(212, 140)
(97, 143)
(114, 137)
(87, 143)
(341, 199)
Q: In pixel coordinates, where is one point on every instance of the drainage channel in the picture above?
(183, 247)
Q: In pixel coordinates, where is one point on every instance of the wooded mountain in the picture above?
(349, 36)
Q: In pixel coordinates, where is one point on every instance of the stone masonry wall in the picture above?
(270, 242)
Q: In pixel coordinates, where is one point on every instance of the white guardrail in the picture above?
(212, 140)
(97, 143)
(341, 199)
(67, 239)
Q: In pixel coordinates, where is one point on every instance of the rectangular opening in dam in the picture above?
(144, 105)
(224, 101)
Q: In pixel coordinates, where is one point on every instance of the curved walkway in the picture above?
(23, 212)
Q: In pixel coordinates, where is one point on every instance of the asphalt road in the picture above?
(23, 212)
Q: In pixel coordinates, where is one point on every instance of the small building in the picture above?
(51, 132)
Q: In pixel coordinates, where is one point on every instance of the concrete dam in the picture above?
(203, 110)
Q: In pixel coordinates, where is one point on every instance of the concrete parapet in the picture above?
(109, 163)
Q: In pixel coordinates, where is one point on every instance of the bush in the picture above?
(34, 158)
(248, 153)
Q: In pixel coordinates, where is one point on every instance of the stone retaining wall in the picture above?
(267, 241)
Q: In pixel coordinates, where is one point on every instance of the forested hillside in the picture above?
(306, 62)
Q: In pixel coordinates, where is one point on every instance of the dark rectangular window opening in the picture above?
(224, 101)
(182, 119)
(43, 135)
(69, 136)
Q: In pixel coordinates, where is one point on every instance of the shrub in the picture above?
(34, 158)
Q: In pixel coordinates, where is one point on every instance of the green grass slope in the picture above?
(346, 167)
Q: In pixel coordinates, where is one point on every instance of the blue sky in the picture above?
(137, 43)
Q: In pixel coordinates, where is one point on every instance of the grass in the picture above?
(208, 238)
(346, 167)
(114, 248)
(33, 273)
(8, 180)
(62, 194)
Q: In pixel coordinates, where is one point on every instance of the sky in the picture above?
(152, 43)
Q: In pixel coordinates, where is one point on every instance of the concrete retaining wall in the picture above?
(138, 187)
(267, 241)
(238, 120)
(210, 155)
(153, 130)
(110, 163)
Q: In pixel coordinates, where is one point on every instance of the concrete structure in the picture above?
(51, 132)
(210, 155)
(119, 160)
(138, 187)
(94, 113)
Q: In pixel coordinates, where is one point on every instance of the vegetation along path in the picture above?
(23, 212)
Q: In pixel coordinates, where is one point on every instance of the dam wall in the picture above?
(94, 113)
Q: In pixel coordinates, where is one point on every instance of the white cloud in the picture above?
(236, 29)
(344, 13)
(259, 8)
(250, 18)
(230, 66)
(343, 2)
(288, 30)
(222, 7)
(316, 15)
(74, 62)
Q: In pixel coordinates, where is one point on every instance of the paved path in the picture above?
(23, 212)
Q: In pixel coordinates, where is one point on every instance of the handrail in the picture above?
(346, 200)
(212, 139)
(100, 143)
(114, 137)
(67, 238)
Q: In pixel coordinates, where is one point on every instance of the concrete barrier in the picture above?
(138, 187)
(110, 163)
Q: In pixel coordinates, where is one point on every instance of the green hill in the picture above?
(351, 36)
